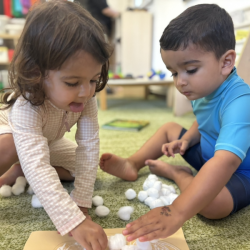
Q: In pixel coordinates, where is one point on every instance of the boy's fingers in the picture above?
(155, 235)
(143, 232)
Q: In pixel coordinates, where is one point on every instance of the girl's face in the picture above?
(74, 84)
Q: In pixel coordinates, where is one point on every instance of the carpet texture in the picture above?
(18, 219)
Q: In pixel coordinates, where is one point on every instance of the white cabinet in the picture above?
(133, 39)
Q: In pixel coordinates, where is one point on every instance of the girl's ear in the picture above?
(228, 61)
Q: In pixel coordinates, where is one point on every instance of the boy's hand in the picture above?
(90, 235)
(175, 147)
(158, 223)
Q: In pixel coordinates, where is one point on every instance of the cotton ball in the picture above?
(130, 194)
(129, 247)
(172, 189)
(153, 176)
(149, 200)
(125, 212)
(156, 203)
(117, 241)
(166, 200)
(152, 192)
(154, 241)
(30, 190)
(21, 180)
(165, 191)
(157, 185)
(97, 201)
(17, 189)
(102, 211)
(35, 202)
(146, 245)
(143, 195)
(148, 183)
(5, 191)
(172, 197)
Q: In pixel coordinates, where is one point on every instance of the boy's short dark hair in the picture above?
(207, 26)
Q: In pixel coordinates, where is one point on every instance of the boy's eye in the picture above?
(71, 84)
(191, 71)
(174, 75)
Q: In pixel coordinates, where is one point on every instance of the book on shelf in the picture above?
(126, 125)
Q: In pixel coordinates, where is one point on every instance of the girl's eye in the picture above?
(71, 84)
(94, 81)
(191, 71)
(174, 75)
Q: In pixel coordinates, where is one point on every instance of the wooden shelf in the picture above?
(5, 63)
(9, 36)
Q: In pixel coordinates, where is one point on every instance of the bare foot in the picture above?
(118, 166)
(166, 170)
(9, 177)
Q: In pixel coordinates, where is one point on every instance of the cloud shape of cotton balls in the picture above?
(125, 212)
(117, 241)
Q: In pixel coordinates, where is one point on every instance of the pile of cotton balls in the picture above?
(155, 194)
(19, 188)
(101, 210)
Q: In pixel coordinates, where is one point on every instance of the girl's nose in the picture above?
(84, 90)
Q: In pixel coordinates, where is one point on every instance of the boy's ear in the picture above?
(228, 61)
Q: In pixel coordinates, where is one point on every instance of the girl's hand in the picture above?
(175, 147)
(90, 235)
(158, 223)
(85, 211)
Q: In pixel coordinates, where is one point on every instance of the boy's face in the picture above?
(70, 87)
(196, 73)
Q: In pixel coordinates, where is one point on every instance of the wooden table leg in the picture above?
(103, 99)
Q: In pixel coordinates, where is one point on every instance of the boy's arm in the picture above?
(163, 222)
(207, 184)
(192, 135)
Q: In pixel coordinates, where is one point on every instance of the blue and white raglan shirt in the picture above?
(224, 121)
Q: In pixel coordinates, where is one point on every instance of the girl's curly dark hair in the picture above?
(54, 31)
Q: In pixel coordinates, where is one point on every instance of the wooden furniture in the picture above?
(135, 83)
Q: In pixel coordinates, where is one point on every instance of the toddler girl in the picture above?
(60, 62)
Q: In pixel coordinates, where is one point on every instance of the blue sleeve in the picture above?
(234, 134)
(100, 4)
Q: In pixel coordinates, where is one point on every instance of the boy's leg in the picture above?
(8, 157)
(127, 168)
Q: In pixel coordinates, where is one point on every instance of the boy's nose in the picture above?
(181, 82)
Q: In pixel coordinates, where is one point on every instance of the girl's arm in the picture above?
(87, 155)
(32, 148)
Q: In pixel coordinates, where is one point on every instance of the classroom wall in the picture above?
(165, 10)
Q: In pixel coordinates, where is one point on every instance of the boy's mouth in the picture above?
(76, 107)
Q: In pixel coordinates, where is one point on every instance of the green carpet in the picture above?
(18, 219)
